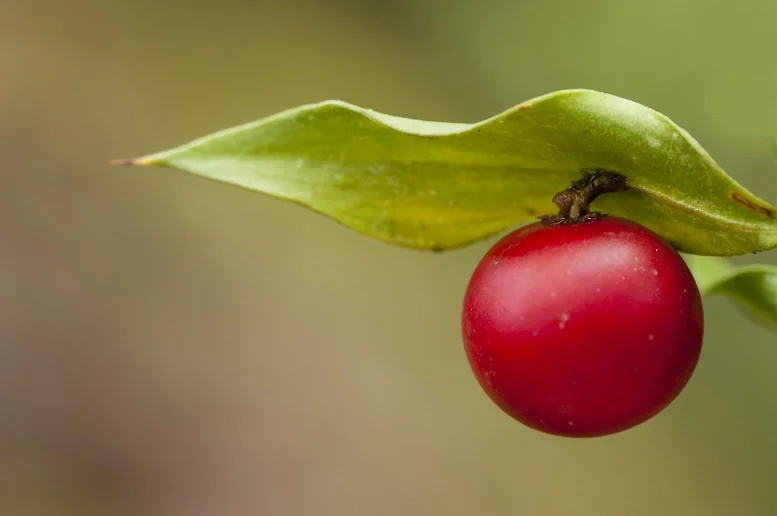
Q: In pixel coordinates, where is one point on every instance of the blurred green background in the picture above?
(171, 346)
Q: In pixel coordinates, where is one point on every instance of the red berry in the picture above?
(583, 329)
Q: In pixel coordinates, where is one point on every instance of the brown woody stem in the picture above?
(573, 202)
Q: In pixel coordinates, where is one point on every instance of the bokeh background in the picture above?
(171, 346)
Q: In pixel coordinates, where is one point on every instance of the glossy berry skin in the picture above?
(582, 329)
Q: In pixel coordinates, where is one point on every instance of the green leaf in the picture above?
(432, 185)
(752, 287)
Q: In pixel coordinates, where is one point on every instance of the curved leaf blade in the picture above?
(752, 287)
(433, 185)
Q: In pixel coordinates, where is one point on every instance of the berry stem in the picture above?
(573, 202)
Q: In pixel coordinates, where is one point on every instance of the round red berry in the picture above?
(584, 328)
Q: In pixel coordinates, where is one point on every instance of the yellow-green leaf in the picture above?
(432, 185)
(752, 287)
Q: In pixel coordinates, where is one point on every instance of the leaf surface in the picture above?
(752, 287)
(436, 186)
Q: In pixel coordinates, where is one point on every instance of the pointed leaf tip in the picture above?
(122, 162)
(145, 161)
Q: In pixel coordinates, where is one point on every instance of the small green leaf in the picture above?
(432, 185)
(752, 287)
